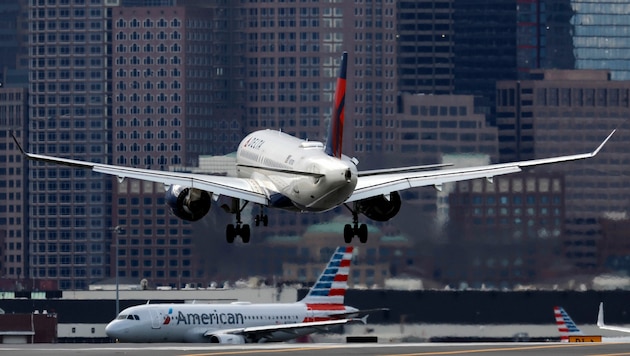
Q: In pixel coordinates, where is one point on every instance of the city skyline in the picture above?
(245, 66)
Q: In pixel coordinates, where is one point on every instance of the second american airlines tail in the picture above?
(243, 322)
(566, 325)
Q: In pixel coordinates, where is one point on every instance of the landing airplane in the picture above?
(602, 325)
(566, 325)
(243, 322)
(277, 170)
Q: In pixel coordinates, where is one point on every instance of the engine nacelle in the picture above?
(188, 203)
(227, 339)
(380, 208)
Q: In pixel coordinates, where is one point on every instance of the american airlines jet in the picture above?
(277, 170)
(242, 322)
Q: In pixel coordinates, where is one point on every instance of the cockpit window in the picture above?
(128, 317)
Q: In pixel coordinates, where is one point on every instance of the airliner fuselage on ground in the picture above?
(235, 323)
(276, 170)
(238, 323)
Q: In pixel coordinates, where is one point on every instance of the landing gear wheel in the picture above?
(362, 233)
(261, 217)
(245, 233)
(230, 233)
(348, 233)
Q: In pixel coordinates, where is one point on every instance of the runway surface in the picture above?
(569, 349)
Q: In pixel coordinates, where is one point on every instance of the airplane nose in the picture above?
(114, 330)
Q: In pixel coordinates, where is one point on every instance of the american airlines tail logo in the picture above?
(331, 286)
(167, 318)
(566, 325)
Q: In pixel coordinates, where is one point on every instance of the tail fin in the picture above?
(565, 324)
(331, 285)
(600, 315)
(335, 130)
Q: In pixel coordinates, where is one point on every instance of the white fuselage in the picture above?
(270, 156)
(194, 322)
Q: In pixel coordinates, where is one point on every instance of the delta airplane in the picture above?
(602, 325)
(276, 170)
(566, 325)
(243, 322)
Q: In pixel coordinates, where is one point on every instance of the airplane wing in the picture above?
(383, 184)
(601, 325)
(358, 314)
(247, 189)
(268, 331)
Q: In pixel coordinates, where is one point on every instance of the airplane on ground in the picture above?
(566, 325)
(243, 322)
(277, 170)
(602, 325)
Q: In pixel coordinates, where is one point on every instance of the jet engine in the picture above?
(188, 203)
(227, 339)
(380, 208)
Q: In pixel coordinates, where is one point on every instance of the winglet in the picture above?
(600, 315)
(17, 143)
(603, 143)
(335, 130)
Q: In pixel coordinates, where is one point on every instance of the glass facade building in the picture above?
(574, 34)
(601, 36)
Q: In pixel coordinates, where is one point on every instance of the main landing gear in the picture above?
(240, 229)
(356, 229)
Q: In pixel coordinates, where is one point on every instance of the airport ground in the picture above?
(556, 349)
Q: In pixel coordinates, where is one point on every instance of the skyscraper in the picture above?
(70, 102)
(13, 227)
(573, 34)
(170, 106)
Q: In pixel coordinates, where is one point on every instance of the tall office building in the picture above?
(456, 47)
(13, 114)
(10, 34)
(171, 66)
(574, 34)
(565, 112)
(13, 230)
(70, 100)
(504, 233)
(425, 47)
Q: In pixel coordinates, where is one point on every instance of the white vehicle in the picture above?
(277, 170)
(602, 325)
(243, 322)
